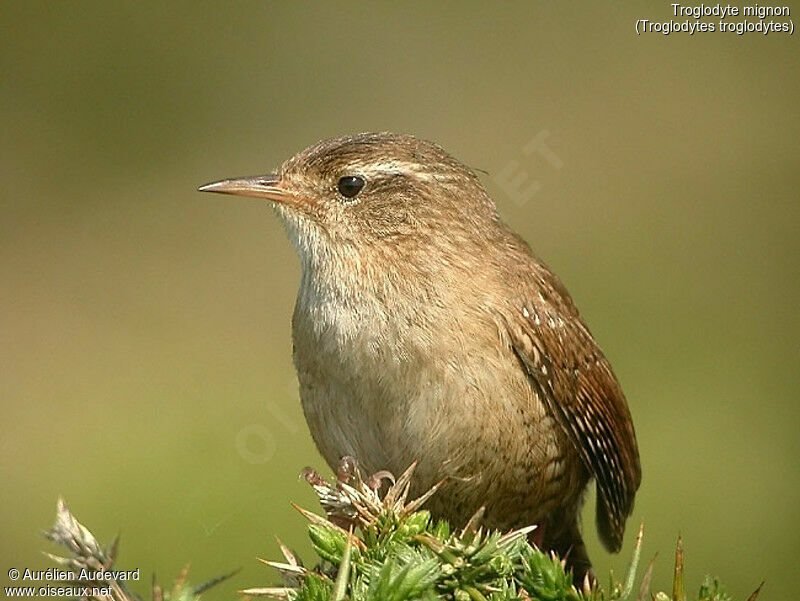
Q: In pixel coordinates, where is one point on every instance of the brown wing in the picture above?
(569, 371)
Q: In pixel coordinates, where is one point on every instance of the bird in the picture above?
(426, 330)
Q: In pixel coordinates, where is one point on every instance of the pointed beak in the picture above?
(257, 186)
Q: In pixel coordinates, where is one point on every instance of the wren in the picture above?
(426, 330)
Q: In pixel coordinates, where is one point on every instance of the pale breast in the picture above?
(392, 389)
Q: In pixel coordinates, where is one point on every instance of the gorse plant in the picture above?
(87, 555)
(377, 546)
(382, 546)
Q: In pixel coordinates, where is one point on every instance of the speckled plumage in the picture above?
(425, 329)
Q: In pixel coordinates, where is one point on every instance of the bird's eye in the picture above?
(350, 185)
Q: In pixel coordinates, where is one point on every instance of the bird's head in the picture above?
(371, 194)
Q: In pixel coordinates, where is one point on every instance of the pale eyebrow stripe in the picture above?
(398, 167)
(389, 167)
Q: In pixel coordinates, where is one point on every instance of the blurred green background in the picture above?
(145, 368)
